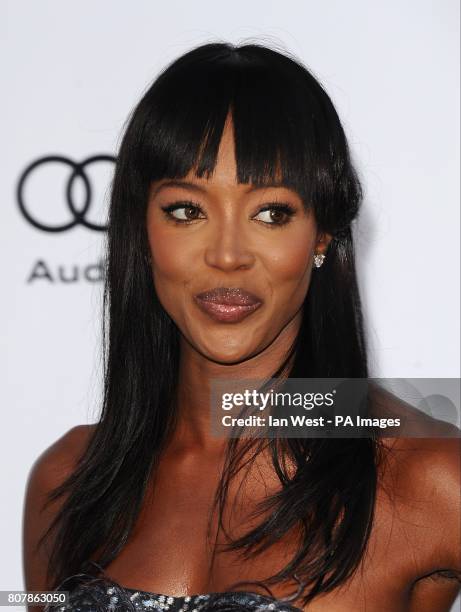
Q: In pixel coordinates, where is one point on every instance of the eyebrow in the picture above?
(199, 189)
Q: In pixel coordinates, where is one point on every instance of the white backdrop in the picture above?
(73, 72)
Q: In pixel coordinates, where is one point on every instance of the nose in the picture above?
(228, 249)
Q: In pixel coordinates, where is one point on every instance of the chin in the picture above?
(226, 359)
(226, 344)
(227, 356)
(229, 348)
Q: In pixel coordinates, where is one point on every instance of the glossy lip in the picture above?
(228, 304)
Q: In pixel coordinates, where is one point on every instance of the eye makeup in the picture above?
(279, 208)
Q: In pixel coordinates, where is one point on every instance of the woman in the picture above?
(230, 255)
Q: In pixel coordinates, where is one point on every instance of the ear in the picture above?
(322, 242)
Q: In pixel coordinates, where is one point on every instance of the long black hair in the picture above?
(283, 121)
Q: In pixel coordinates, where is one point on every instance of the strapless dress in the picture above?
(89, 594)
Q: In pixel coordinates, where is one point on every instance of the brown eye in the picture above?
(183, 212)
(275, 214)
(190, 212)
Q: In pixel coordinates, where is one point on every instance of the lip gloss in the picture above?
(225, 312)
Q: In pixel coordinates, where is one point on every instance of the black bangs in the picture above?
(286, 130)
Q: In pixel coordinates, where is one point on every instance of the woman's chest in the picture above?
(177, 549)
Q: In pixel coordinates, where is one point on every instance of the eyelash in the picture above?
(280, 207)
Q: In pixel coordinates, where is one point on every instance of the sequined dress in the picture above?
(90, 594)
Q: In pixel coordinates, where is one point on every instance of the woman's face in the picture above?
(250, 261)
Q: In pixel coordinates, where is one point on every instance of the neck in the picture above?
(196, 373)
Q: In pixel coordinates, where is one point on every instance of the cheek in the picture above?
(290, 261)
(171, 255)
(172, 269)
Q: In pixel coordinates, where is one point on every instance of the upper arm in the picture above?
(445, 492)
(421, 486)
(436, 592)
(440, 468)
(49, 470)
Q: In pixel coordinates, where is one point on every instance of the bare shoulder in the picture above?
(423, 478)
(51, 468)
(423, 460)
(413, 422)
(60, 457)
(422, 494)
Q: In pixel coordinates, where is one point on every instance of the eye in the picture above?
(275, 214)
(183, 212)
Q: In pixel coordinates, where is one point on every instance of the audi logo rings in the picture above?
(77, 170)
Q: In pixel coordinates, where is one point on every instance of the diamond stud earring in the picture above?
(318, 259)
